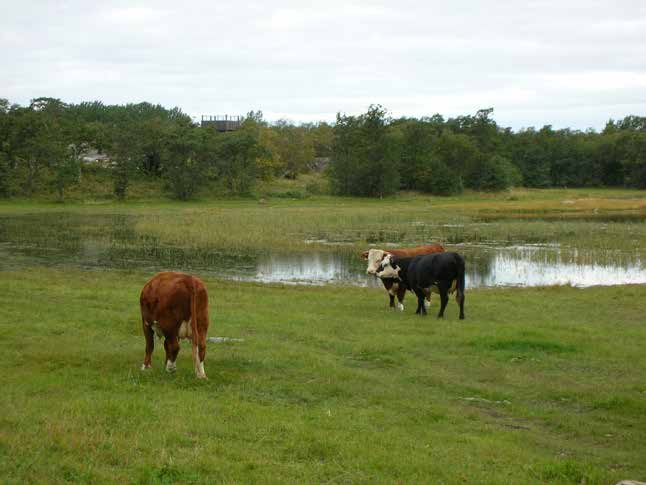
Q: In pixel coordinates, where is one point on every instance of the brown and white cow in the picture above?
(394, 287)
(175, 306)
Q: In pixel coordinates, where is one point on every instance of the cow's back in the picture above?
(427, 269)
(168, 294)
(416, 251)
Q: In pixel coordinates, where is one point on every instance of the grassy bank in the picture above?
(328, 385)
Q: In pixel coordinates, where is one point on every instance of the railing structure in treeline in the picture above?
(222, 123)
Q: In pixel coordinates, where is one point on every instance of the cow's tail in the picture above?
(194, 330)
(460, 280)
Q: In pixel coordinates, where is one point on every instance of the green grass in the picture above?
(328, 385)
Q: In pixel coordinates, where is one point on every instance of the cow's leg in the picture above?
(427, 296)
(149, 335)
(421, 309)
(171, 344)
(401, 293)
(443, 286)
(393, 290)
(459, 297)
(199, 351)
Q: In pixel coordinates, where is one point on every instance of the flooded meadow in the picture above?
(142, 242)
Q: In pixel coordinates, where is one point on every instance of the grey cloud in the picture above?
(568, 63)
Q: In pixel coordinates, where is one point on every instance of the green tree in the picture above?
(67, 172)
(5, 176)
(458, 152)
(122, 172)
(236, 157)
(635, 160)
(321, 137)
(417, 141)
(438, 179)
(530, 152)
(496, 173)
(184, 169)
(366, 157)
(37, 143)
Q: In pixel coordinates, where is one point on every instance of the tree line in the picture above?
(375, 155)
(42, 146)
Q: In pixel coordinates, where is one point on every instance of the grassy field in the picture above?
(328, 386)
(540, 385)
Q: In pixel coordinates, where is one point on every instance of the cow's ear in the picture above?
(364, 255)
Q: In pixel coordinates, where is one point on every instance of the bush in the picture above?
(365, 159)
(121, 174)
(288, 194)
(317, 187)
(5, 176)
(184, 177)
(496, 173)
(435, 177)
(67, 173)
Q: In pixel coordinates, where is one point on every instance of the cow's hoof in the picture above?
(400, 307)
(171, 367)
(427, 304)
(199, 371)
(145, 367)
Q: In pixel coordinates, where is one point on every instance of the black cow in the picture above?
(421, 272)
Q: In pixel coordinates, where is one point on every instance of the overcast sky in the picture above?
(566, 63)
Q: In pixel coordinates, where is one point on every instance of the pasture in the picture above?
(327, 384)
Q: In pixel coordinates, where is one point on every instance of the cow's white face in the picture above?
(386, 268)
(374, 260)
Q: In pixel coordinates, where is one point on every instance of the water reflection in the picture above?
(544, 266)
(317, 268)
(111, 241)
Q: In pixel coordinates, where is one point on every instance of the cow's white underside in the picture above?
(156, 329)
(185, 330)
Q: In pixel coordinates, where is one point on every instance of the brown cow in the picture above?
(175, 306)
(393, 287)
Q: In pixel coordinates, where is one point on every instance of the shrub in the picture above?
(496, 173)
(67, 173)
(121, 174)
(435, 177)
(184, 177)
(5, 176)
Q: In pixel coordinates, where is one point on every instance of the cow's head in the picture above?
(374, 257)
(387, 268)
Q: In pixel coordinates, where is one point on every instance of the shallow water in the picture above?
(110, 241)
